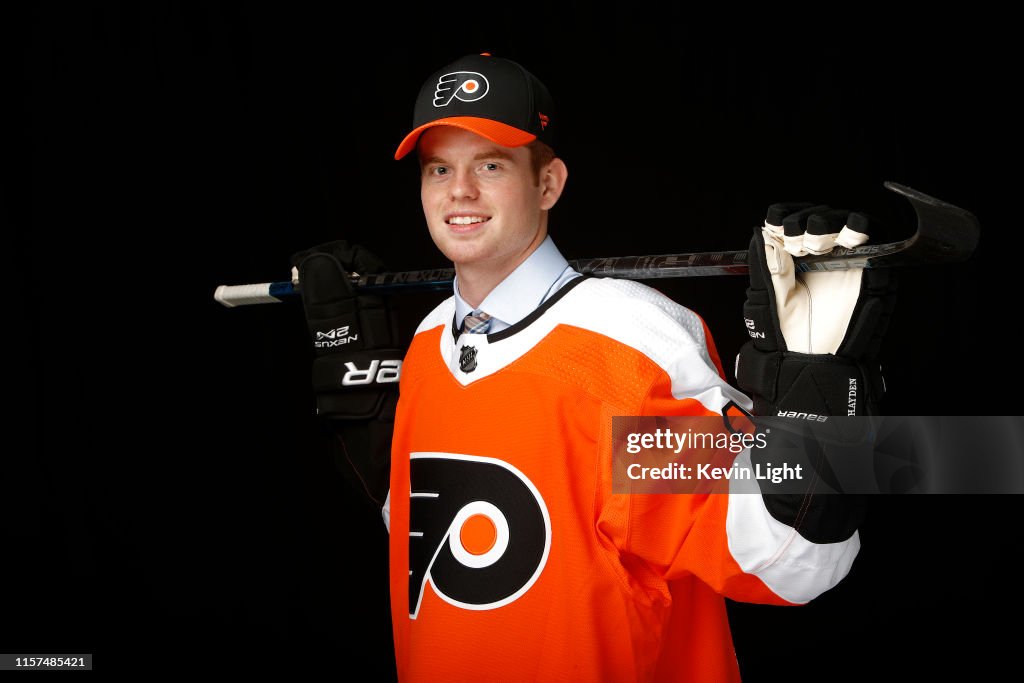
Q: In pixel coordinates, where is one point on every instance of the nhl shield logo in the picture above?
(467, 358)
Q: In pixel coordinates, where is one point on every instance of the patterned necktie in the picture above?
(476, 324)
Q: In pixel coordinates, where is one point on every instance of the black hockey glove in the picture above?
(813, 354)
(815, 336)
(357, 359)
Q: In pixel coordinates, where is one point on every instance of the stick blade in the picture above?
(945, 233)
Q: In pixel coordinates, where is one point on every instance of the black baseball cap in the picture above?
(490, 96)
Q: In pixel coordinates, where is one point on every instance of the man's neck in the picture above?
(477, 280)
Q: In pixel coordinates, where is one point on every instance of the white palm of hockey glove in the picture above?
(814, 308)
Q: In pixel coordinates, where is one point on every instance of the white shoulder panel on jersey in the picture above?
(629, 312)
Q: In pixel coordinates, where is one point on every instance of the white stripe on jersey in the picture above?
(632, 313)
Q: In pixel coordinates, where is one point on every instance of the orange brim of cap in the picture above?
(501, 133)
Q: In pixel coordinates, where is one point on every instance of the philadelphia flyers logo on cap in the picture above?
(466, 86)
(479, 531)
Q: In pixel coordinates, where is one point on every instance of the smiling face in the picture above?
(485, 206)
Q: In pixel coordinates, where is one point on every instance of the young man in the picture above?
(511, 556)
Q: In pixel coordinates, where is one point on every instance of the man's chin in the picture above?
(468, 260)
(463, 251)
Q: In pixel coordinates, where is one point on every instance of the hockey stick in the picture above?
(945, 234)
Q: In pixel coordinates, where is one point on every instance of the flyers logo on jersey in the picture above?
(479, 531)
(465, 86)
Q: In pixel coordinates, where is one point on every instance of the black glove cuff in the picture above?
(832, 518)
(817, 384)
(343, 407)
(351, 386)
(362, 450)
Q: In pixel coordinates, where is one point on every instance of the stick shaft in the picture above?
(700, 264)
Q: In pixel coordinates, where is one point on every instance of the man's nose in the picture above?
(463, 185)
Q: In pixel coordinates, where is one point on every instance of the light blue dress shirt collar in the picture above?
(537, 278)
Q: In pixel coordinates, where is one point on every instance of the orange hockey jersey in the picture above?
(511, 558)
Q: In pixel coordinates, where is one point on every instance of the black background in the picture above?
(166, 499)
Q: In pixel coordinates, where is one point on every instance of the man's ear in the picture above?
(552, 182)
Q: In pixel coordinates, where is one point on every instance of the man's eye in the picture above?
(490, 166)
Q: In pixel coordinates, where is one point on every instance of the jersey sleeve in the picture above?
(727, 538)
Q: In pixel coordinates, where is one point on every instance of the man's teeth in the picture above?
(466, 220)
